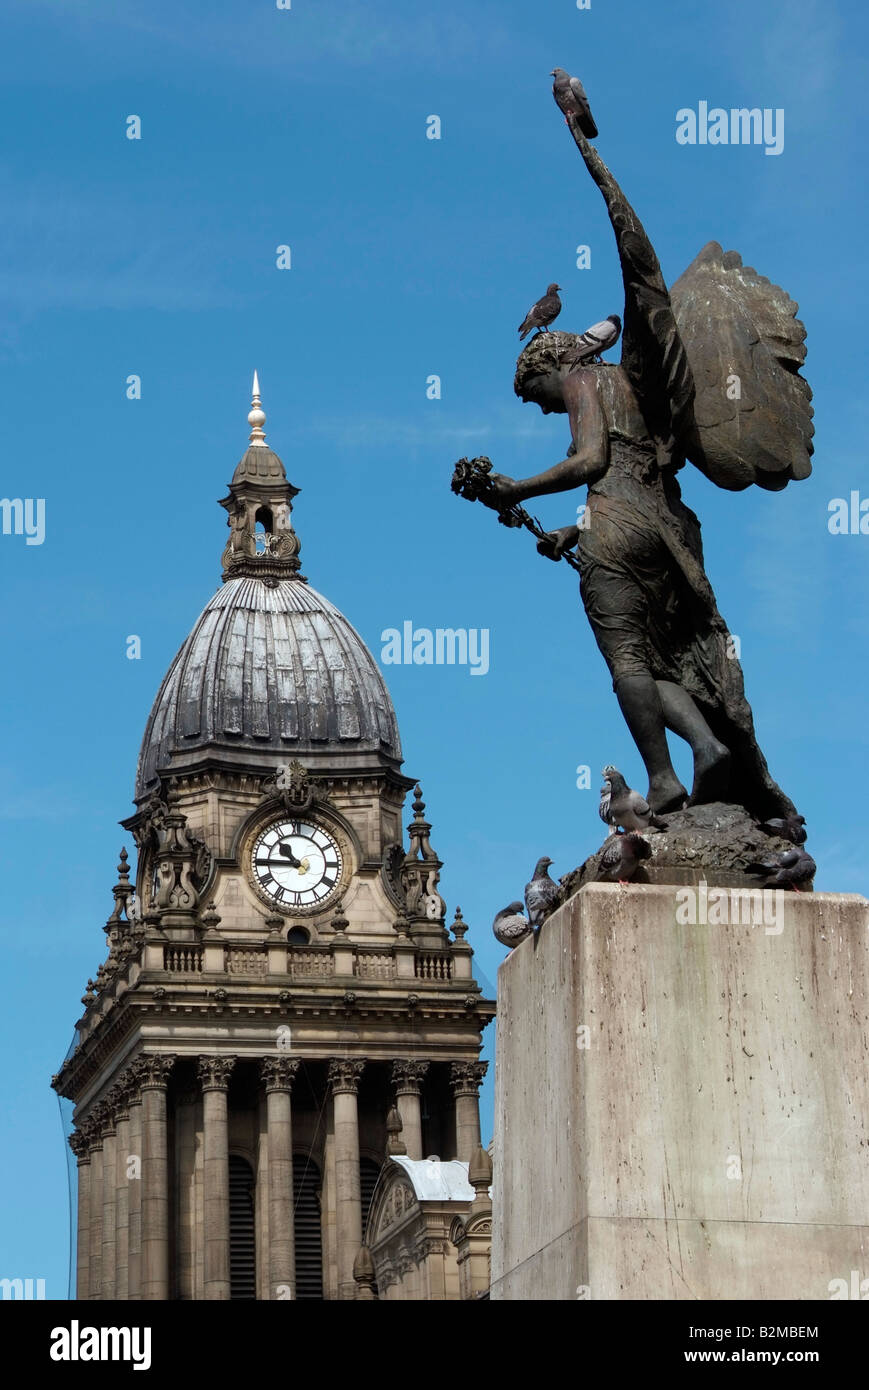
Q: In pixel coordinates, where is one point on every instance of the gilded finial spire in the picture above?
(257, 417)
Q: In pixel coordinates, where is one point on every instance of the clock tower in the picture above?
(282, 1044)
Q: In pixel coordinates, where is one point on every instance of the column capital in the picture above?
(407, 1075)
(466, 1077)
(214, 1072)
(155, 1069)
(278, 1073)
(79, 1144)
(92, 1126)
(345, 1074)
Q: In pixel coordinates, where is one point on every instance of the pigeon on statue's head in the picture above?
(570, 96)
(543, 313)
(622, 856)
(541, 894)
(597, 339)
(510, 926)
(627, 808)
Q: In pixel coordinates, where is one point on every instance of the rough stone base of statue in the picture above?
(682, 1109)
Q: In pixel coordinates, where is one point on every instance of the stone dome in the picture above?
(271, 667)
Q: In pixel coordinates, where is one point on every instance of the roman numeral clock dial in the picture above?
(296, 864)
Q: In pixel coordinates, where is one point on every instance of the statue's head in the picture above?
(541, 369)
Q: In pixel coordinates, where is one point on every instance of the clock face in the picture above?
(296, 863)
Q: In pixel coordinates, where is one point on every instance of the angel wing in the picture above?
(714, 362)
(745, 344)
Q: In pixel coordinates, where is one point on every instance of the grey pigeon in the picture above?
(510, 927)
(541, 894)
(570, 95)
(622, 856)
(788, 827)
(543, 313)
(603, 810)
(597, 339)
(787, 870)
(627, 808)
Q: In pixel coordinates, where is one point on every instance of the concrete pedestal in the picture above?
(682, 1111)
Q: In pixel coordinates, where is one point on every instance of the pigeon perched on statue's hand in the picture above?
(788, 827)
(787, 870)
(627, 808)
(622, 856)
(510, 927)
(597, 339)
(570, 96)
(541, 894)
(543, 313)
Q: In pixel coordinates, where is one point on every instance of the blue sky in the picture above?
(410, 257)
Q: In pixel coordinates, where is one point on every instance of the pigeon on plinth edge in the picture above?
(788, 827)
(787, 870)
(597, 339)
(543, 313)
(621, 857)
(570, 96)
(510, 926)
(626, 807)
(541, 894)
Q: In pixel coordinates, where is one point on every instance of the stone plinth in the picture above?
(682, 1111)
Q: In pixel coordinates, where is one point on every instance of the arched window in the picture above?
(298, 936)
(242, 1230)
(308, 1228)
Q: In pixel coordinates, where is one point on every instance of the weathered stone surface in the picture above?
(712, 1138)
(713, 842)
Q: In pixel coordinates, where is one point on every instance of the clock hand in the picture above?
(288, 854)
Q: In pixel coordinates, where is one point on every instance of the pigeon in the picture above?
(789, 828)
(785, 870)
(626, 807)
(543, 313)
(597, 339)
(510, 927)
(541, 894)
(570, 95)
(622, 855)
(603, 809)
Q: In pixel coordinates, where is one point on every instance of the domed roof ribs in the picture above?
(271, 668)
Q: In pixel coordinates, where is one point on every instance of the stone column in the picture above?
(94, 1134)
(155, 1178)
(108, 1196)
(465, 1079)
(344, 1080)
(79, 1146)
(134, 1222)
(214, 1074)
(278, 1074)
(122, 1192)
(407, 1075)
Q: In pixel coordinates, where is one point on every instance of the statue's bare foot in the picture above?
(711, 774)
(666, 794)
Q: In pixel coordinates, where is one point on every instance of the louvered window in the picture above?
(369, 1172)
(308, 1229)
(242, 1233)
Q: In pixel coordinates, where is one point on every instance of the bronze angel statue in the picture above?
(709, 374)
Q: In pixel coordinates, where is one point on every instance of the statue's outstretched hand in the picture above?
(554, 543)
(474, 479)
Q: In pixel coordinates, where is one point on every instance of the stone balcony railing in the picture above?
(404, 961)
